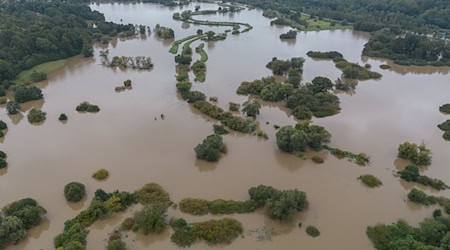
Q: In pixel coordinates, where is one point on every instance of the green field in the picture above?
(317, 25)
(47, 68)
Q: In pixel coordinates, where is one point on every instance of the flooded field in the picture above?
(129, 138)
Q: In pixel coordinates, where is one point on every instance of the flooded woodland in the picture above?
(131, 138)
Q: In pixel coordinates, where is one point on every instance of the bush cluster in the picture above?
(210, 148)
(370, 180)
(418, 154)
(74, 191)
(325, 55)
(25, 94)
(303, 135)
(152, 192)
(36, 116)
(100, 174)
(312, 231)
(219, 206)
(3, 162)
(87, 107)
(445, 126)
(411, 174)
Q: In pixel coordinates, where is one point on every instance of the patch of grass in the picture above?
(48, 67)
(370, 180)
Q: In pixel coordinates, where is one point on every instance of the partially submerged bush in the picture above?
(220, 130)
(100, 174)
(234, 106)
(25, 94)
(12, 108)
(36, 116)
(411, 174)
(419, 155)
(210, 148)
(312, 231)
(3, 125)
(251, 108)
(445, 108)
(303, 135)
(151, 219)
(74, 191)
(194, 206)
(62, 117)
(116, 244)
(152, 192)
(370, 180)
(317, 159)
(87, 107)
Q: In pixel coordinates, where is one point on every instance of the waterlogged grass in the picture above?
(47, 68)
(176, 44)
(317, 25)
(201, 51)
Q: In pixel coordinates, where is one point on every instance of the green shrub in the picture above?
(151, 219)
(116, 244)
(127, 83)
(445, 126)
(229, 206)
(193, 96)
(2, 155)
(220, 130)
(418, 196)
(152, 192)
(36, 116)
(234, 106)
(261, 194)
(62, 117)
(410, 173)
(446, 135)
(370, 180)
(317, 159)
(37, 76)
(184, 235)
(25, 94)
(218, 231)
(127, 224)
(312, 231)
(325, 55)
(419, 155)
(251, 108)
(385, 66)
(87, 107)
(74, 191)
(100, 174)
(302, 113)
(3, 163)
(12, 107)
(303, 135)
(194, 206)
(210, 148)
(262, 134)
(27, 211)
(445, 108)
(284, 204)
(3, 125)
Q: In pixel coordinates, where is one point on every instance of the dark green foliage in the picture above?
(407, 48)
(320, 84)
(251, 108)
(184, 235)
(317, 159)
(151, 219)
(355, 71)
(164, 32)
(321, 104)
(410, 173)
(445, 126)
(12, 107)
(25, 94)
(446, 135)
(345, 84)
(280, 204)
(194, 206)
(75, 234)
(152, 192)
(292, 34)
(116, 244)
(226, 118)
(303, 135)
(3, 125)
(234, 106)
(19, 216)
(210, 148)
(267, 89)
(36, 116)
(193, 96)
(302, 113)
(74, 191)
(62, 117)
(418, 196)
(312, 231)
(437, 213)
(87, 107)
(3, 163)
(445, 108)
(370, 180)
(229, 206)
(127, 83)
(199, 69)
(419, 155)
(325, 55)
(220, 130)
(280, 67)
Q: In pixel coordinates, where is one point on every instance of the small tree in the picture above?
(74, 191)
(12, 107)
(251, 108)
(151, 219)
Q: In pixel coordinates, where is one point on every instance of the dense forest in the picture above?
(417, 15)
(36, 32)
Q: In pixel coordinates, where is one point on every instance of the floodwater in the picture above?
(129, 138)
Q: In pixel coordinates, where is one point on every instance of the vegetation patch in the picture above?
(317, 159)
(38, 72)
(100, 174)
(432, 233)
(251, 108)
(164, 32)
(211, 148)
(292, 34)
(420, 155)
(304, 135)
(360, 159)
(411, 174)
(74, 191)
(151, 219)
(3, 162)
(234, 106)
(18, 217)
(312, 231)
(62, 117)
(26, 94)
(213, 232)
(194, 206)
(445, 108)
(325, 55)
(12, 108)
(152, 192)
(36, 116)
(87, 107)
(220, 130)
(370, 180)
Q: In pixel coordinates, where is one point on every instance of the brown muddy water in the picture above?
(129, 138)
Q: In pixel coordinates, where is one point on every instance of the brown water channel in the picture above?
(125, 138)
